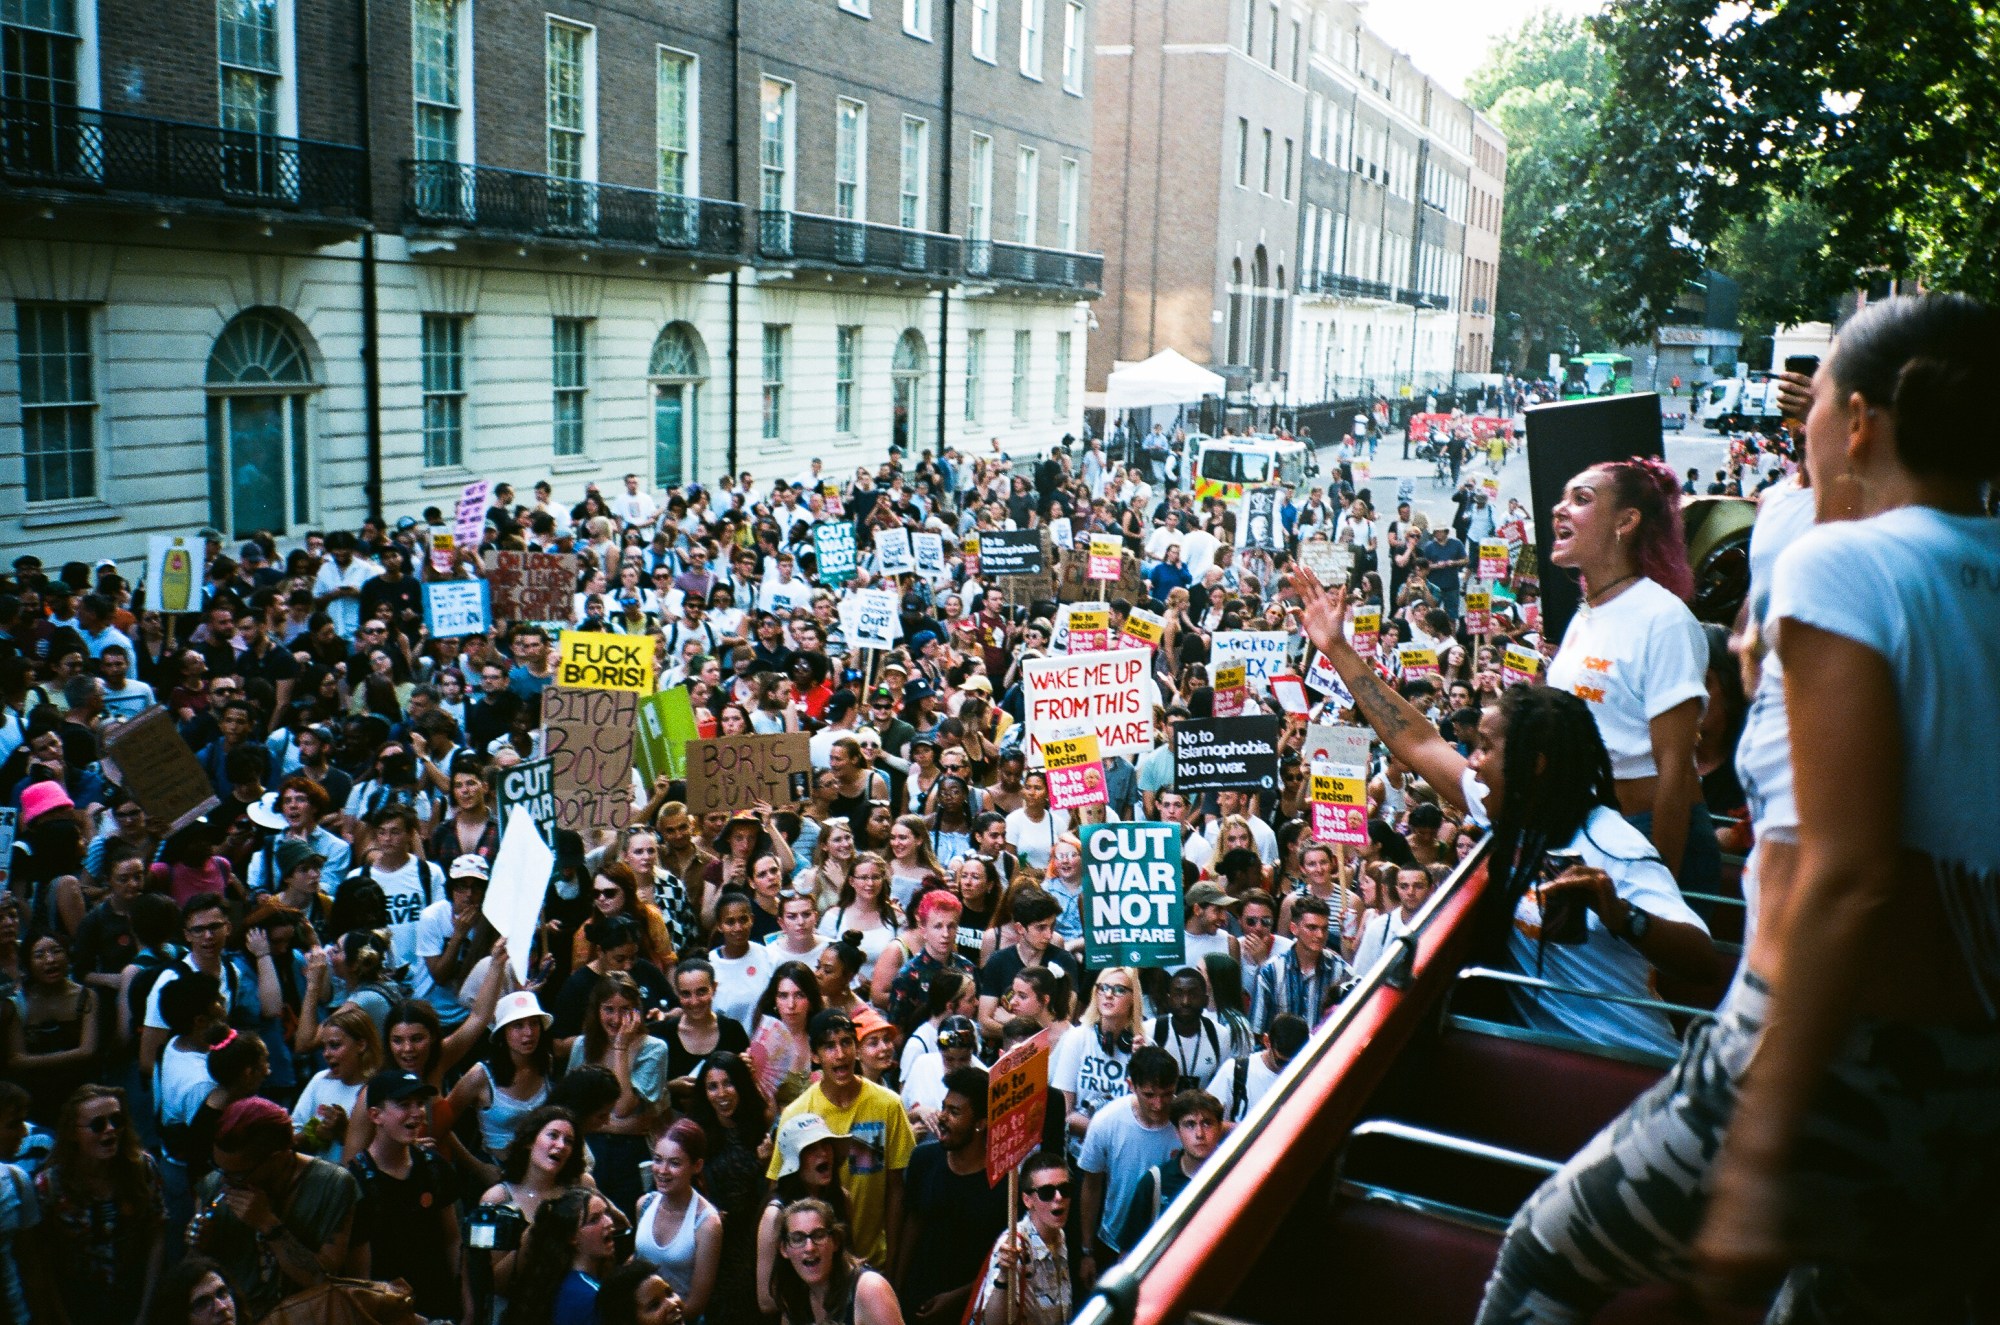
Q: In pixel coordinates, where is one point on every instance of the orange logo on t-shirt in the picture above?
(1591, 664)
(1593, 694)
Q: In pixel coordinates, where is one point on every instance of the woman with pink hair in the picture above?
(1635, 653)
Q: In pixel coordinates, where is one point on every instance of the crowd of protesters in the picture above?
(280, 1054)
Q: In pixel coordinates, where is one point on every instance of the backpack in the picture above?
(1239, 1101)
(1162, 1025)
(152, 966)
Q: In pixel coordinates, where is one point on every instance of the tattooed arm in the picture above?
(1411, 737)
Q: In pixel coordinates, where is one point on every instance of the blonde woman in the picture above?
(1089, 1062)
(911, 859)
(331, 1114)
(832, 864)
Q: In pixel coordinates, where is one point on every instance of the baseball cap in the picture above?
(470, 866)
(882, 695)
(250, 552)
(1207, 894)
(393, 1083)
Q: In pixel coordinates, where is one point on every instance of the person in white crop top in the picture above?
(1870, 1125)
(1635, 653)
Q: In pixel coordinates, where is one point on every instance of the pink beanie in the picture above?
(41, 797)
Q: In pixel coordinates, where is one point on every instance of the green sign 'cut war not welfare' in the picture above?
(1132, 909)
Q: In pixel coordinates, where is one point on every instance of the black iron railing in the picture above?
(1351, 287)
(79, 150)
(860, 245)
(515, 203)
(1418, 299)
(1024, 264)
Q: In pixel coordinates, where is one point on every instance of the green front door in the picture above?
(669, 428)
(256, 464)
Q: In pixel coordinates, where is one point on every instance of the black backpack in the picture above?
(152, 966)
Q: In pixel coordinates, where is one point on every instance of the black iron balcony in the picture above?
(1418, 299)
(1024, 264)
(1347, 287)
(77, 150)
(445, 195)
(859, 246)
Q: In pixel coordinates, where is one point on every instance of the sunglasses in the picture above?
(109, 1122)
(1258, 922)
(608, 892)
(1051, 1191)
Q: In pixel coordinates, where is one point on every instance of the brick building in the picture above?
(1281, 197)
(272, 263)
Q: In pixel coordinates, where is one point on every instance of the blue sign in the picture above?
(454, 608)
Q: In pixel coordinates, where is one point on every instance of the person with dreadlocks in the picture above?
(1540, 777)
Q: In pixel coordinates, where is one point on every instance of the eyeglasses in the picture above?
(214, 927)
(108, 1122)
(1114, 989)
(809, 1237)
(1051, 1191)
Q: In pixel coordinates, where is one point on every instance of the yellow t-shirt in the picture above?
(876, 1117)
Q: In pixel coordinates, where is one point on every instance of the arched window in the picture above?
(676, 371)
(1278, 324)
(1236, 311)
(906, 373)
(1260, 277)
(259, 457)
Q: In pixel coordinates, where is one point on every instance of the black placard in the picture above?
(1564, 440)
(1226, 754)
(1010, 552)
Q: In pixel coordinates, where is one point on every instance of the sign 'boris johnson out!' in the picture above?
(1133, 914)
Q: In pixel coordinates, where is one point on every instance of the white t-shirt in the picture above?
(1602, 961)
(1922, 589)
(923, 1081)
(325, 1088)
(1080, 1066)
(409, 890)
(433, 937)
(1198, 1054)
(182, 1083)
(128, 702)
(155, 1021)
(1260, 833)
(1634, 658)
(1032, 841)
(1382, 929)
(1258, 1078)
(1122, 1148)
(740, 981)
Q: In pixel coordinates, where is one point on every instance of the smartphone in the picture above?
(1565, 915)
(1806, 365)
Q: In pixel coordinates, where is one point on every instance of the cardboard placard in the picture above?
(454, 609)
(468, 525)
(1017, 1104)
(518, 887)
(532, 586)
(1362, 470)
(1106, 557)
(834, 552)
(530, 784)
(928, 552)
(1290, 692)
(157, 769)
(1226, 754)
(1519, 666)
(589, 734)
(1011, 552)
(666, 724)
(735, 772)
(1133, 911)
(1111, 692)
(1089, 628)
(1075, 772)
(1493, 559)
(968, 552)
(1339, 809)
(1367, 631)
(1262, 651)
(1075, 582)
(1148, 628)
(892, 551)
(175, 564)
(598, 660)
(1329, 562)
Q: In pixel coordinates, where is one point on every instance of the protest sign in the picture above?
(872, 619)
(1106, 554)
(1226, 754)
(1479, 611)
(1519, 666)
(456, 608)
(444, 552)
(1362, 470)
(928, 552)
(1367, 631)
(1076, 582)
(968, 552)
(530, 784)
(1417, 661)
(1490, 485)
(736, 772)
(1017, 1104)
(1089, 628)
(1321, 677)
(1344, 750)
(532, 586)
(595, 660)
(1011, 552)
(1493, 559)
(1231, 683)
(666, 725)
(589, 735)
(468, 525)
(1290, 692)
(1328, 562)
(892, 551)
(1062, 533)
(1339, 809)
(8, 819)
(519, 882)
(148, 758)
(175, 564)
(1262, 652)
(1111, 692)
(1149, 628)
(1133, 913)
(1262, 525)
(834, 552)
(1075, 772)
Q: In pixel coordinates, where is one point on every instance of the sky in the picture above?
(1448, 39)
